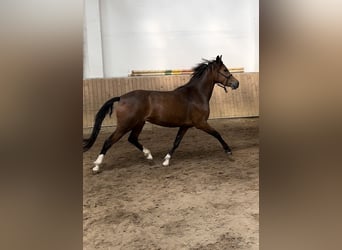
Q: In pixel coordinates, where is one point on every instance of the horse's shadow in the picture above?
(114, 162)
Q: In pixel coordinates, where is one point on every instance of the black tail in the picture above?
(101, 114)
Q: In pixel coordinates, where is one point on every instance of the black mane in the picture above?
(198, 72)
(201, 68)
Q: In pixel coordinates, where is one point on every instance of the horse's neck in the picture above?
(205, 87)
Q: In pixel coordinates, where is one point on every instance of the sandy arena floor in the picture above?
(201, 201)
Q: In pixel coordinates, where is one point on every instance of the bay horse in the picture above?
(185, 107)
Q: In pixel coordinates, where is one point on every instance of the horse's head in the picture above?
(222, 76)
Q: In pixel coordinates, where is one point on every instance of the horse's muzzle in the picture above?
(234, 85)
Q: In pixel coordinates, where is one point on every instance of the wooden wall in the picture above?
(242, 102)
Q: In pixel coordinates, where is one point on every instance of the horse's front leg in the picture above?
(208, 129)
(179, 137)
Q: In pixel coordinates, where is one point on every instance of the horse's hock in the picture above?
(244, 102)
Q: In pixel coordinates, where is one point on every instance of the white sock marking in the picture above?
(147, 154)
(166, 162)
(98, 162)
(99, 159)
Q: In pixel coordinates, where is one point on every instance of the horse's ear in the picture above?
(219, 59)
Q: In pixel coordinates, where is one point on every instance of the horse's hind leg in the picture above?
(113, 138)
(179, 137)
(133, 138)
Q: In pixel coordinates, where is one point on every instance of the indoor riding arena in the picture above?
(205, 199)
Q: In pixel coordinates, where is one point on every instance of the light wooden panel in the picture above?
(242, 102)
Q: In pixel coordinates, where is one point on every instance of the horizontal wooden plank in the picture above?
(174, 72)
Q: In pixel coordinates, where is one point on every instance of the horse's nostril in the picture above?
(235, 85)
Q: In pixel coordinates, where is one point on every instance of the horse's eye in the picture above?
(225, 70)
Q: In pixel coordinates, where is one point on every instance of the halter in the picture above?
(222, 85)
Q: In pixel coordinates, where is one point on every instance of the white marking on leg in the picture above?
(98, 162)
(166, 162)
(99, 159)
(96, 168)
(147, 153)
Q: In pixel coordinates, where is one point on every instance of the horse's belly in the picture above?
(168, 123)
(169, 109)
(169, 118)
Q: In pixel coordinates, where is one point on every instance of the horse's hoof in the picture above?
(229, 153)
(166, 161)
(94, 172)
(96, 169)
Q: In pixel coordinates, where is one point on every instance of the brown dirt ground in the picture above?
(201, 201)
